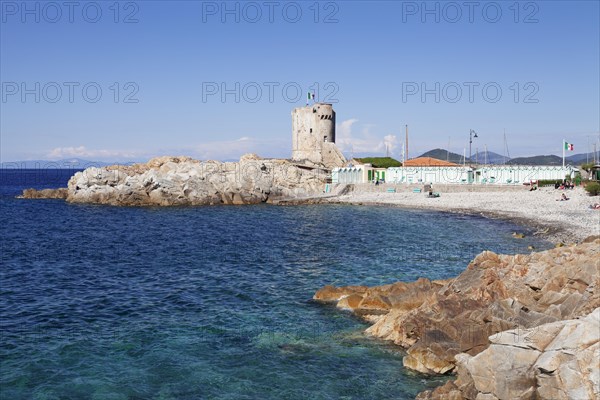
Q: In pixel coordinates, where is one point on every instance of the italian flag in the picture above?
(310, 96)
(569, 146)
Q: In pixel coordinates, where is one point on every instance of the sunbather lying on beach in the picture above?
(595, 206)
(563, 198)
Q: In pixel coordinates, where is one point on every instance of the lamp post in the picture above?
(472, 135)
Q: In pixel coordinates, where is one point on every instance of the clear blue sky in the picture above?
(375, 54)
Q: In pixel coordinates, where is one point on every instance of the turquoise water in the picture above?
(212, 302)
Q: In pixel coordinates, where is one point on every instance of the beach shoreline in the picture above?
(566, 222)
(552, 233)
(540, 211)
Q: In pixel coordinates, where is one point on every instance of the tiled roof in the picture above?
(428, 162)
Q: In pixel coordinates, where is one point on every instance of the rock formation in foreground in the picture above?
(464, 324)
(170, 181)
(558, 360)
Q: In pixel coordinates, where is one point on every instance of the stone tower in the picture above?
(313, 136)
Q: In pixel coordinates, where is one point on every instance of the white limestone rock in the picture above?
(559, 360)
(167, 181)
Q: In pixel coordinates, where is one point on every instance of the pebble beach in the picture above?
(559, 221)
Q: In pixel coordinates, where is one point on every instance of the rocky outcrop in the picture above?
(558, 360)
(332, 156)
(60, 193)
(170, 181)
(446, 325)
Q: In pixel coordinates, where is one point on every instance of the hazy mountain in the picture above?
(495, 158)
(71, 163)
(536, 160)
(492, 158)
(578, 159)
(442, 154)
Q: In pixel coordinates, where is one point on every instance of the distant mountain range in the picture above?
(576, 160)
(440, 154)
(481, 157)
(581, 158)
(536, 160)
(495, 158)
(71, 163)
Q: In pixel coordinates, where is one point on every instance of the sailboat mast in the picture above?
(504, 148)
(485, 157)
(506, 144)
(406, 138)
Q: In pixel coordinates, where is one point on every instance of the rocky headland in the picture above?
(174, 181)
(60, 193)
(520, 326)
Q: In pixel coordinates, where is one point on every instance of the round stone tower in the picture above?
(311, 127)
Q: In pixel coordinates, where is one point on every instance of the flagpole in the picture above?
(563, 146)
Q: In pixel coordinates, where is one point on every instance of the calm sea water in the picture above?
(101, 302)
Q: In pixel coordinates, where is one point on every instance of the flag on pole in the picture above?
(310, 96)
(569, 146)
(566, 146)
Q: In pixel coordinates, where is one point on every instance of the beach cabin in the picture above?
(350, 175)
(457, 175)
(595, 173)
(376, 174)
(520, 174)
(430, 170)
(361, 173)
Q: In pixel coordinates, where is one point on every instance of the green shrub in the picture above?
(380, 162)
(587, 166)
(593, 188)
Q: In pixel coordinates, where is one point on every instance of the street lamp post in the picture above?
(472, 135)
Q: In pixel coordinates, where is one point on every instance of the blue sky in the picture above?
(161, 67)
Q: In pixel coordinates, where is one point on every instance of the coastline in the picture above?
(559, 222)
(553, 291)
(182, 181)
(552, 233)
(564, 222)
(509, 326)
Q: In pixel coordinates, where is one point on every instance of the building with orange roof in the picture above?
(428, 162)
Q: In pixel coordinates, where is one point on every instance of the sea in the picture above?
(104, 302)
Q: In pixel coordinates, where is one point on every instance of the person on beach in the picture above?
(563, 198)
(595, 206)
